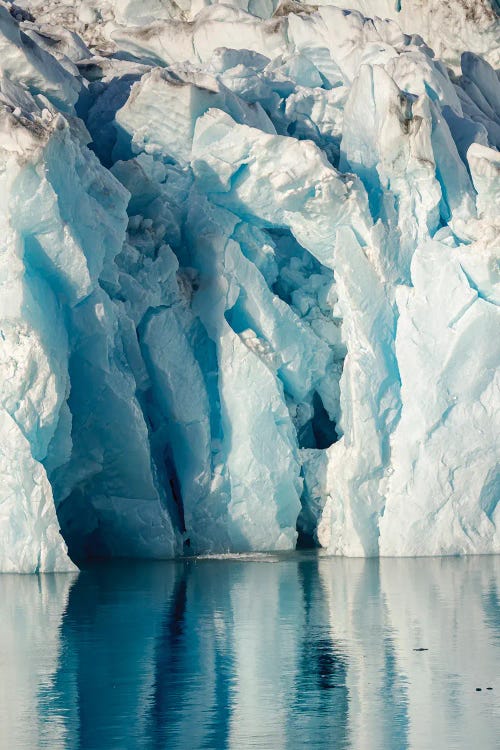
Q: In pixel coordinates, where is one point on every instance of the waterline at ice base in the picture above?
(249, 279)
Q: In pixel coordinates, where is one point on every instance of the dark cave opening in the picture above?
(319, 432)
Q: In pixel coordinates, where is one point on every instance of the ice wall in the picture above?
(250, 283)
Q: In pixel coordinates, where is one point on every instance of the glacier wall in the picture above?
(249, 280)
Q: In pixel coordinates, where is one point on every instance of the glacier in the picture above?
(249, 278)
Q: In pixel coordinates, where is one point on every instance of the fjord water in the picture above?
(258, 651)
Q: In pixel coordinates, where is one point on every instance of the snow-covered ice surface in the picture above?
(249, 278)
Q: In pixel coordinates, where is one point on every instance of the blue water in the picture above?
(264, 651)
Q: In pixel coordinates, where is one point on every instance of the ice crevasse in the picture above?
(249, 280)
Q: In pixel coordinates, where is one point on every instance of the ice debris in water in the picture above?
(249, 278)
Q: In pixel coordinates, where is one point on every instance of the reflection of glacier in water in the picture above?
(307, 651)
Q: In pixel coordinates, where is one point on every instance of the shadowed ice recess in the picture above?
(281, 651)
(249, 279)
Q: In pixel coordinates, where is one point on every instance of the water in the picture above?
(271, 652)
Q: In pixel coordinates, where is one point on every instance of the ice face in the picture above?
(249, 280)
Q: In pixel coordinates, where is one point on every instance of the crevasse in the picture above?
(249, 280)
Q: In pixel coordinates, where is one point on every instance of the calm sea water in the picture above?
(263, 651)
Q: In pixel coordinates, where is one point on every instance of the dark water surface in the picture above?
(262, 651)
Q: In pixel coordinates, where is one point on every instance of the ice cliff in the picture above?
(249, 278)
